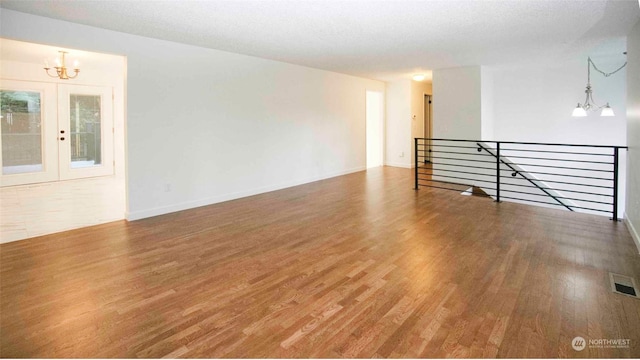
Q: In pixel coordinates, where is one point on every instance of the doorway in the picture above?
(62, 164)
(374, 132)
(427, 126)
(55, 132)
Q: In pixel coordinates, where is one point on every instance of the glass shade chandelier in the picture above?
(589, 104)
(61, 67)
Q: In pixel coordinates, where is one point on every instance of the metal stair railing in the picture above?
(522, 174)
(575, 177)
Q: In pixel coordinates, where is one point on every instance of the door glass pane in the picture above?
(21, 132)
(85, 128)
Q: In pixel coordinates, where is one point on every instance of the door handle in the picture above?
(62, 138)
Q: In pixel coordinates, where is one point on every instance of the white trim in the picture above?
(400, 165)
(632, 231)
(137, 215)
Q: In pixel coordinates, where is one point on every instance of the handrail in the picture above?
(461, 164)
(518, 172)
(528, 143)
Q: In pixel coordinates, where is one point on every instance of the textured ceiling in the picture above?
(375, 39)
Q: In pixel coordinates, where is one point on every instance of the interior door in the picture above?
(28, 128)
(85, 131)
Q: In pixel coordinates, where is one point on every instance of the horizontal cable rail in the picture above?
(568, 176)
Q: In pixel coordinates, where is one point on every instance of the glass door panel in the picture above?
(84, 132)
(29, 147)
(21, 132)
(85, 116)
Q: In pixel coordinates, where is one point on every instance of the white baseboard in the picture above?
(400, 165)
(141, 214)
(632, 231)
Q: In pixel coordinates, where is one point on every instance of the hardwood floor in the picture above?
(355, 266)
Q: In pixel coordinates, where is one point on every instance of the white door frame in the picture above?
(374, 128)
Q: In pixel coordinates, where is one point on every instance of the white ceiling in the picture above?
(370, 38)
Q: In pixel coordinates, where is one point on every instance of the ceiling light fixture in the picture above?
(61, 67)
(418, 77)
(589, 103)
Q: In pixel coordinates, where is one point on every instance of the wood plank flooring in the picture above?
(354, 266)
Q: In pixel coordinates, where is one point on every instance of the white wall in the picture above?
(213, 126)
(418, 90)
(375, 129)
(456, 115)
(632, 216)
(457, 103)
(533, 103)
(487, 103)
(405, 120)
(481, 102)
(398, 124)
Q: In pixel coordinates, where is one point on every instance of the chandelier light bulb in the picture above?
(607, 111)
(579, 111)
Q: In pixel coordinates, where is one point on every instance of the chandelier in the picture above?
(61, 67)
(589, 103)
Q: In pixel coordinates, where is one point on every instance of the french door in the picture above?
(54, 132)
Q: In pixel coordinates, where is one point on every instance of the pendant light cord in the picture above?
(602, 72)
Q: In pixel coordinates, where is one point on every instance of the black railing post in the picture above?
(497, 171)
(415, 154)
(615, 184)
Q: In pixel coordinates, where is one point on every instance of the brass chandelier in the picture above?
(61, 67)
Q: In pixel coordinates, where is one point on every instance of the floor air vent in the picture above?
(623, 285)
